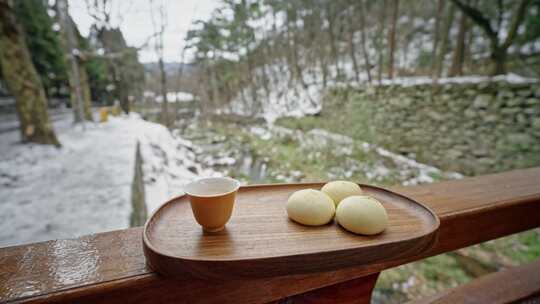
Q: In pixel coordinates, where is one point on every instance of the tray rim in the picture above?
(147, 245)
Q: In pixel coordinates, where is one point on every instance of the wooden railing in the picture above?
(110, 267)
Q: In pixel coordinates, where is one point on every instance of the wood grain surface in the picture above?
(110, 267)
(357, 291)
(261, 241)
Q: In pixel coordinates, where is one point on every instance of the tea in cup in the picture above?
(212, 200)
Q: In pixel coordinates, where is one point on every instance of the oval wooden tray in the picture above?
(260, 240)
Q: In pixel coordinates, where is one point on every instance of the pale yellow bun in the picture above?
(310, 207)
(362, 215)
(338, 190)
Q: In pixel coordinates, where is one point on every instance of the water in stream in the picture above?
(227, 155)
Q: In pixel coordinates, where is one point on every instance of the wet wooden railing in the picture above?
(110, 267)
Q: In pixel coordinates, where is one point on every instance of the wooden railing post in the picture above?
(357, 291)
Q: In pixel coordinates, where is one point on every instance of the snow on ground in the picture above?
(284, 98)
(425, 172)
(410, 171)
(168, 164)
(414, 173)
(85, 187)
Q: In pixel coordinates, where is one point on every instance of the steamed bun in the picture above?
(362, 215)
(338, 190)
(310, 207)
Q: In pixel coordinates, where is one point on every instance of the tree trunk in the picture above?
(290, 57)
(265, 61)
(408, 36)
(121, 88)
(469, 38)
(467, 52)
(352, 50)
(499, 53)
(247, 106)
(23, 81)
(250, 72)
(436, 34)
(363, 36)
(380, 33)
(324, 69)
(163, 91)
(213, 83)
(297, 66)
(392, 39)
(87, 96)
(74, 72)
(498, 57)
(332, 38)
(499, 49)
(456, 68)
(205, 90)
(444, 41)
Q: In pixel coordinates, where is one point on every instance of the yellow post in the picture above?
(103, 114)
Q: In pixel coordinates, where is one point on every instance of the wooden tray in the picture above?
(260, 240)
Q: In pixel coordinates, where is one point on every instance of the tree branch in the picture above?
(499, 14)
(478, 18)
(113, 55)
(516, 22)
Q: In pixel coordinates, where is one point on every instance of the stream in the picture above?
(263, 153)
(227, 155)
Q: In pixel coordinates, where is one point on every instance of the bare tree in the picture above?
(351, 44)
(332, 19)
(499, 49)
(23, 81)
(436, 34)
(379, 40)
(456, 68)
(443, 49)
(361, 12)
(392, 38)
(159, 30)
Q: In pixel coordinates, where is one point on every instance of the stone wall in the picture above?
(469, 128)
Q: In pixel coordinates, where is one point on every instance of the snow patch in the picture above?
(171, 96)
(283, 98)
(422, 80)
(85, 186)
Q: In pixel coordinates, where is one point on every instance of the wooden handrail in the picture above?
(110, 266)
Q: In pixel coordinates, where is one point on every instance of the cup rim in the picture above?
(191, 193)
